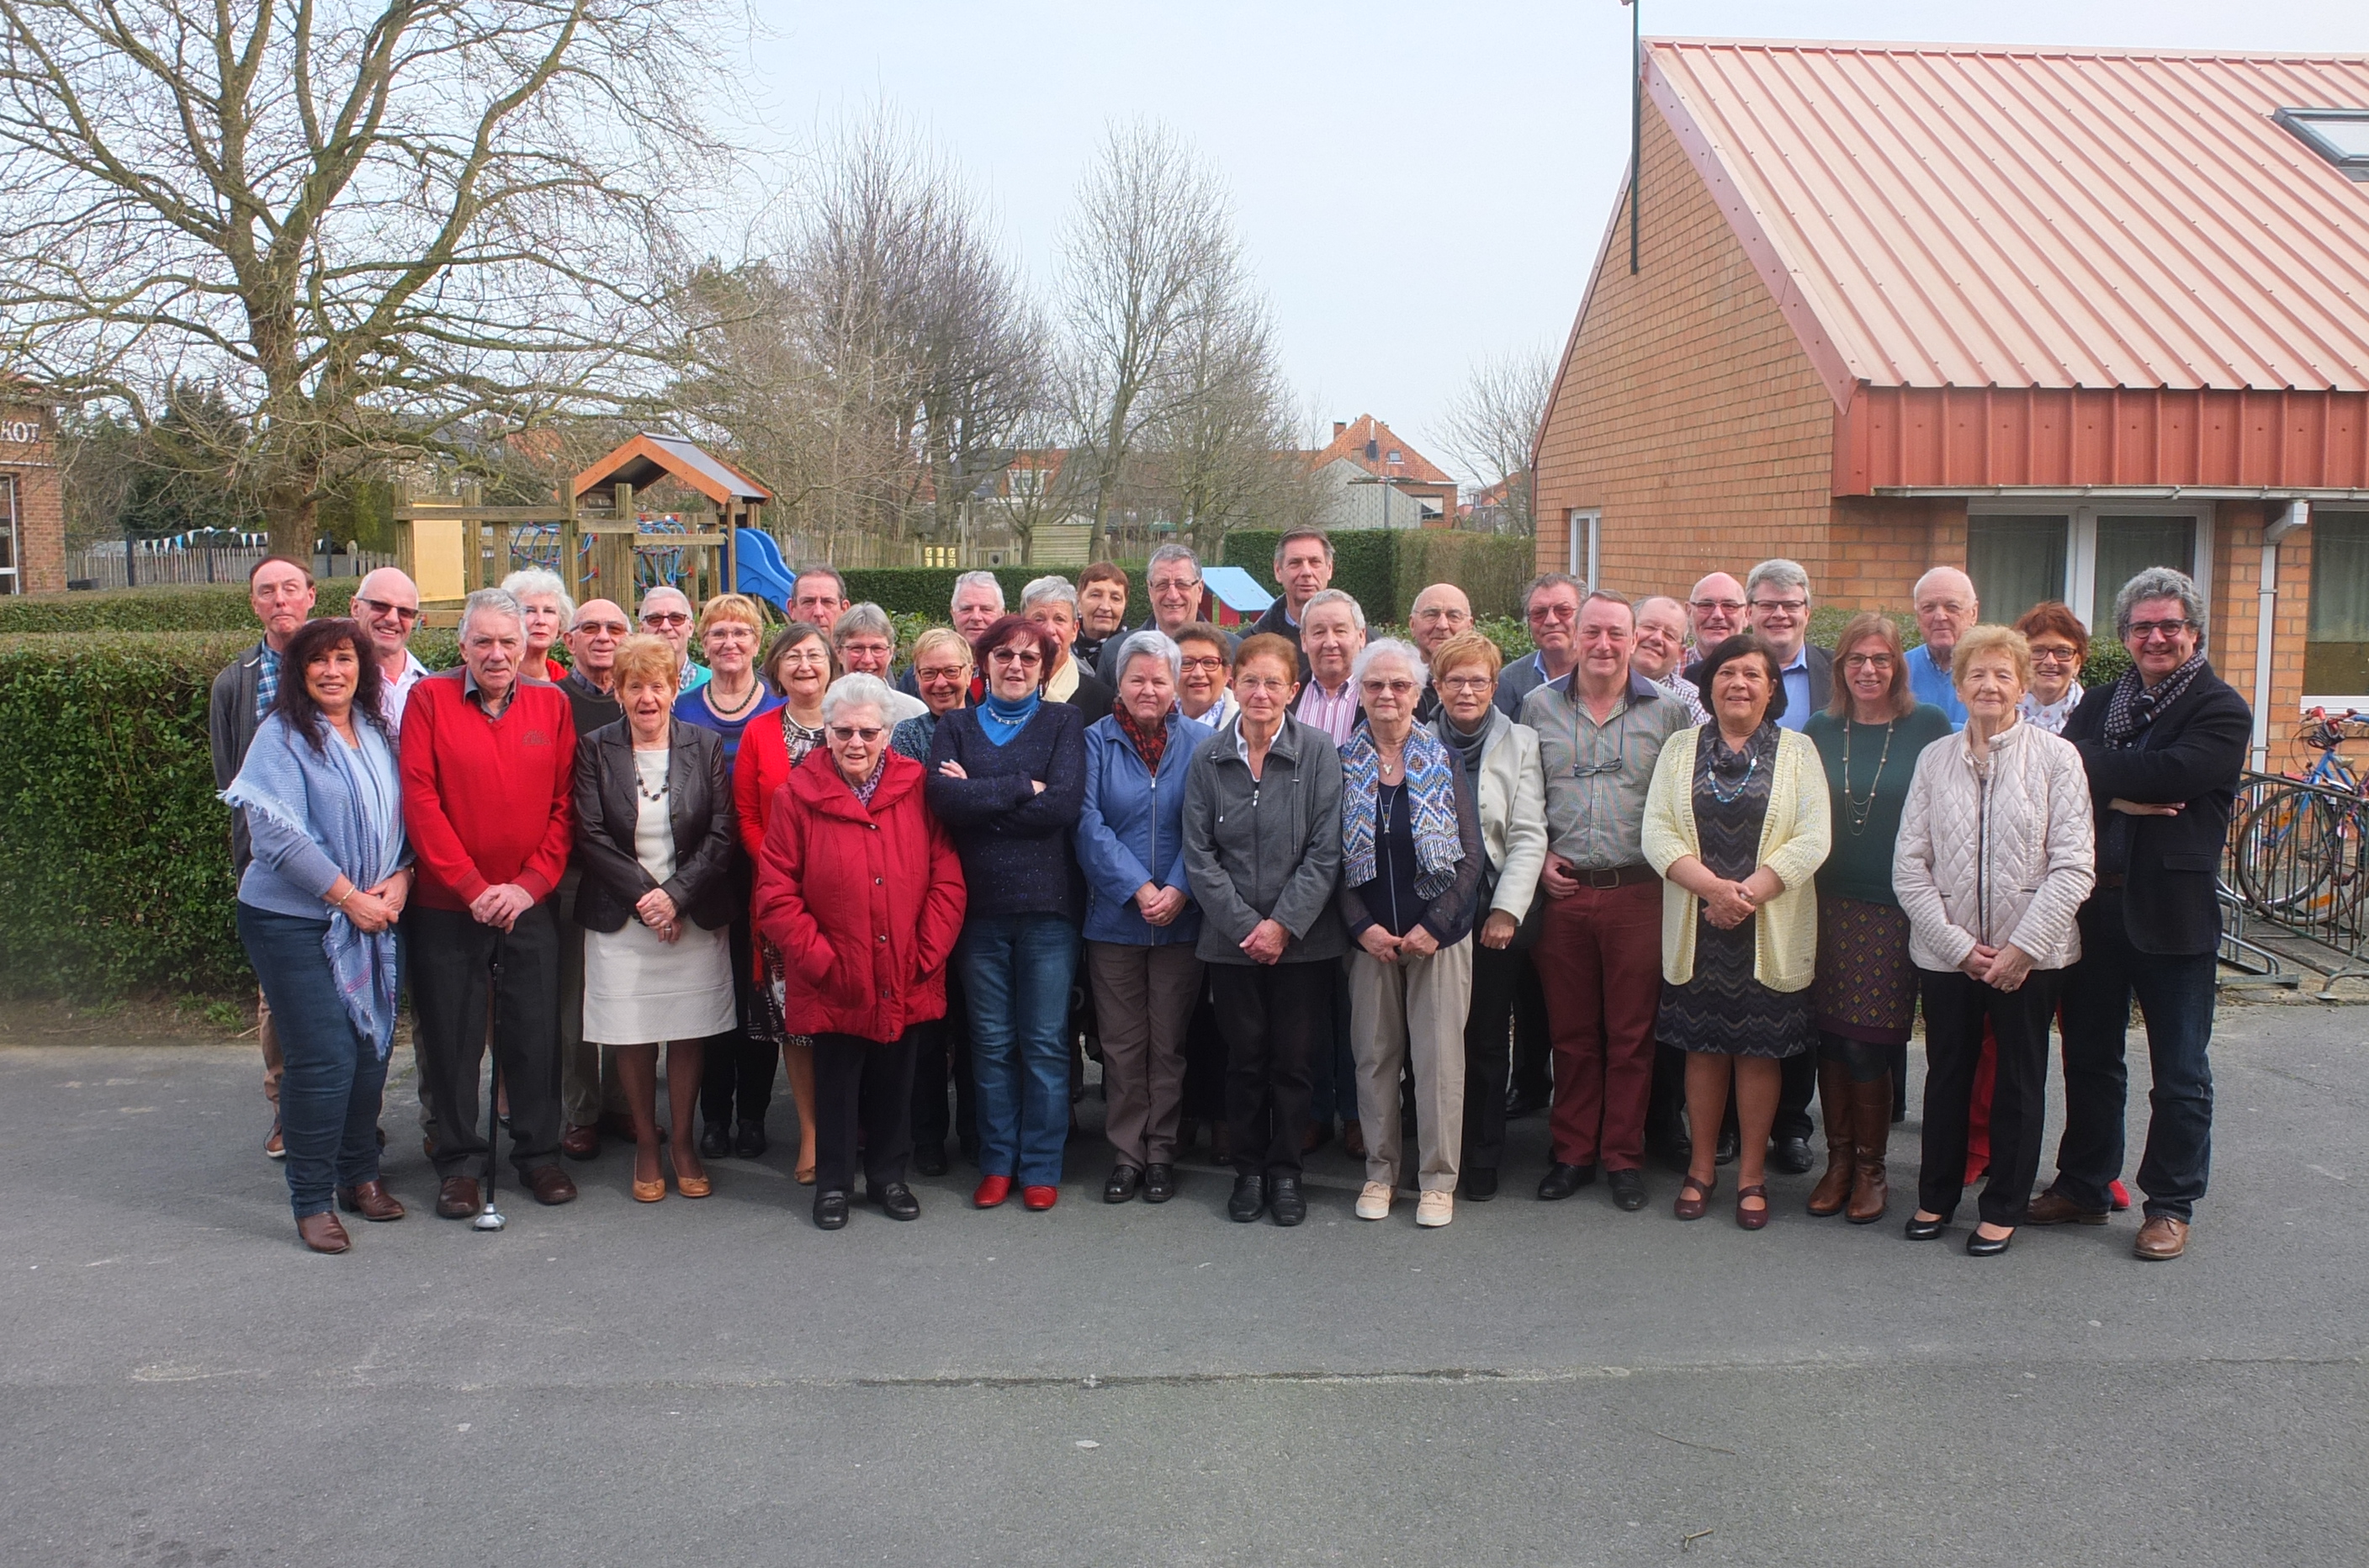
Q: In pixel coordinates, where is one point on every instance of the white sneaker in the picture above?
(1435, 1208)
(1374, 1202)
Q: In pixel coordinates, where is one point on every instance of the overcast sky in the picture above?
(1416, 184)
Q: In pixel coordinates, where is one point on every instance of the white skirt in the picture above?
(639, 991)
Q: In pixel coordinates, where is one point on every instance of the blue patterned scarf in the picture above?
(1431, 810)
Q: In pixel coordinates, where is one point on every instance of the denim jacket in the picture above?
(1131, 831)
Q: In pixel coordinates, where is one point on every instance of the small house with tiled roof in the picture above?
(1374, 479)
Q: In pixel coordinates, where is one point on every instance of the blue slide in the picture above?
(761, 569)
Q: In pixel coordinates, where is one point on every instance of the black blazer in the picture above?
(2191, 756)
(1093, 699)
(1822, 680)
(1275, 622)
(699, 805)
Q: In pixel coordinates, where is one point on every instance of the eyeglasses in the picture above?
(1707, 606)
(665, 618)
(1260, 683)
(602, 628)
(941, 672)
(2054, 656)
(1176, 585)
(1398, 688)
(2144, 630)
(1468, 682)
(806, 659)
(1441, 614)
(402, 612)
(1782, 606)
(1554, 612)
(1020, 656)
(866, 733)
(1870, 661)
(1210, 665)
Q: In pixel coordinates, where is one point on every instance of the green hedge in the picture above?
(208, 607)
(1384, 571)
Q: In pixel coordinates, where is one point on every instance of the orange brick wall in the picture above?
(40, 507)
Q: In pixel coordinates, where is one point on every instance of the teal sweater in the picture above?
(1860, 866)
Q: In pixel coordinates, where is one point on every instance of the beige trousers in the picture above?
(1413, 1007)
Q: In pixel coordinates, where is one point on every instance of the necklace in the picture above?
(755, 686)
(1861, 809)
(1727, 796)
(642, 787)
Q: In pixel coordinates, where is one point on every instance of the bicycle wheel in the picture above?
(2285, 850)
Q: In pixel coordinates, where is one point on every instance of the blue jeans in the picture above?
(329, 1091)
(1016, 972)
(2175, 994)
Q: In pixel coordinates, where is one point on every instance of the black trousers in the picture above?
(942, 1050)
(1205, 1061)
(1533, 1067)
(1796, 1089)
(1488, 1053)
(863, 1089)
(1274, 1017)
(460, 971)
(736, 1076)
(1955, 1006)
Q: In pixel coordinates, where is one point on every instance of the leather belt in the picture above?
(1604, 880)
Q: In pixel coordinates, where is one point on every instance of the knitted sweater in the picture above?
(1014, 842)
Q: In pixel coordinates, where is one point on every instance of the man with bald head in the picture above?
(387, 604)
(1440, 611)
(1716, 608)
(667, 612)
(1661, 649)
(1946, 608)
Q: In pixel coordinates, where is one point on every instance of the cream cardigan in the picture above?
(1795, 839)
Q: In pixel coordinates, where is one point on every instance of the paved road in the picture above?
(719, 1383)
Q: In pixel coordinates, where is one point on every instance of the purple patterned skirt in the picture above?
(1866, 988)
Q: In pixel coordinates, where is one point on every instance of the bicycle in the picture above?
(2301, 851)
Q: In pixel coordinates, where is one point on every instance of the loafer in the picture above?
(1159, 1183)
(1037, 1199)
(1125, 1182)
(1561, 1181)
(580, 1142)
(991, 1192)
(2052, 1207)
(829, 1210)
(895, 1200)
(371, 1200)
(1374, 1201)
(457, 1199)
(715, 1143)
(1925, 1229)
(1981, 1246)
(276, 1147)
(1479, 1184)
(550, 1185)
(1792, 1155)
(750, 1142)
(1284, 1201)
(930, 1159)
(1628, 1189)
(323, 1233)
(1433, 1210)
(1249, 1197)
(2161, 1239)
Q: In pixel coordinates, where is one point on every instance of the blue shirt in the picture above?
(1932, 684)
(1797, 690)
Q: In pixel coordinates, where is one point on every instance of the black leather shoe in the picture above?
(715, 1143)
(1628, 1188)
(1561, 1181)
(1284, 1200)
(1925, 1229)
(1793, 1156)
(1125, 1182)
(750, 1144)
(1249, 1197)
(1159, 1183)
(895, 1200)
(1520, 1103)
(1981, 1246)
(830, 1211)
(1727, 1150)
(930, 1159)
(1479, 1184)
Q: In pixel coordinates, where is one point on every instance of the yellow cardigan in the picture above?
(1795, 839)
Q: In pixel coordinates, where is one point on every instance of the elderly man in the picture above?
(281, 593)
(667, 612)
(1304, 569)
(1946, 608)
(1662, 647)
(866, 641)
(1102, 611)
(587, 1075)
(818, 597)
(488, 776)
(2163, 749)
(978, 601)
(1172, 582)
(1716, 607)
(1599, 954)
(1550, 605)
(387, 604)
(1052, 603)
(1332, 633)
(1440, 611)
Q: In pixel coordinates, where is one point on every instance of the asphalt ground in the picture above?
(718, 1382)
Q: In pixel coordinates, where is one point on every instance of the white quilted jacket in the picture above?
(2003, 859)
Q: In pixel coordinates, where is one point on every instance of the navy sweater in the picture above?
(1015, 842)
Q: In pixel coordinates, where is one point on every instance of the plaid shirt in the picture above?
(266, 681)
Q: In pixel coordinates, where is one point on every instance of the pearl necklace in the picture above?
(1860, 810)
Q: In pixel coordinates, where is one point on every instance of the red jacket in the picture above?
(486, 801)
(863, 905)
(761, 767)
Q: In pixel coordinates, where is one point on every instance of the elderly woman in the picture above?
(1262, 852)
(866, 640)
(942, 673)
(859, 889)
(1736, 821)
(1995, 855)
(797, 665)
(316, 911)
(1410, 881)
(1500, 760)
(2060, 647)
(547, 612)
(731, 628)
(656, 839)
(1008, 778)
(1140, 923)
(1204, 659)
(1864, 1000)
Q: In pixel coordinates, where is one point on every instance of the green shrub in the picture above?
(930, 591)
(1384, 571)
(209, 607)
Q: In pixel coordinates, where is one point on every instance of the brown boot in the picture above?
(1835, 1106)
(1871, 1120)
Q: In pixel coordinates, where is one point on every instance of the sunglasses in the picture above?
(1017, 656)
(665, 618)
(602, 628)
(402, 612)
(866, 733)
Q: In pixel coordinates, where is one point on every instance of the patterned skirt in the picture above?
(1724, 1011)
(1866, 988)
(772, 1027)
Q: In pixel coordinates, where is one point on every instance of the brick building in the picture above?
(1374, 479)
(2051, 315)
(32, 510)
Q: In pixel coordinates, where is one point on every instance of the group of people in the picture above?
(1282, 882)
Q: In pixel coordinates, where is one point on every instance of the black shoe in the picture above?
(895, 1200)
(1125, 1182)
(1793, 1156)
(750, 1144)
(1628, 1189)
(1675, 1150)
(1284, 1200)
(1479, 1184)
(1981, 1246)
(1725, 1154)
(1250, 1197)
(1159, 1183)
(715, 1143)
(1561, 1181)
(831, 1210)
(1520, 1103)
(1925, 1229)
(930, 1159)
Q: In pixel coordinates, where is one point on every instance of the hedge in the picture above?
(204, 607)
(1384, 571)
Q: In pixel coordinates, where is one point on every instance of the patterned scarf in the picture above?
(2135, 705)
(864, 791)
(1431, 806)
(1149, 744)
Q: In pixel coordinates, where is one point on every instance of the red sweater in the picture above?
(488, 801)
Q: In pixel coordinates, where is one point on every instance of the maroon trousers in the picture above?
(1600, 960)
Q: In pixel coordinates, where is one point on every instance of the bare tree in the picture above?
(365, 221)
(1491, 423)
(1220, 439)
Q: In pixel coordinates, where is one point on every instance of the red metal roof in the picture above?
(1974, 217)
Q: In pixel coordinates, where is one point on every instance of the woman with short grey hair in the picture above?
(545, 610)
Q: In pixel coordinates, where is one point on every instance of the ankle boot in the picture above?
(1834, 1188)
(1871, 1123)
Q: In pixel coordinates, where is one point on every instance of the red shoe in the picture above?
(1039, 1199)
(991, 1191)
(2118, 1197)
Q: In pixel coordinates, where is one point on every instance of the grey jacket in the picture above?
(230, 727)
(1266, 847)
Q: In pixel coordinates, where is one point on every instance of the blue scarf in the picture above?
(320, 794)
(999, 720)
(1431, 810)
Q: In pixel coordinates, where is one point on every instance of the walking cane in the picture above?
(490, 1217)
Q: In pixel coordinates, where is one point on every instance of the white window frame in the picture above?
(1584, 544)
(2357, 702)
(13, 572)
(2081, 545)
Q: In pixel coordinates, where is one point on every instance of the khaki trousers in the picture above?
(1143, 1000)
(1417, 1007)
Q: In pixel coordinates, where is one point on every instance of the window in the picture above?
(2336, 645)
(2340, 135)
(9, 582)
(2017, 561)
(2082, 555)
(1587, 534)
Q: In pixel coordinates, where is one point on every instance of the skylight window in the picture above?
(2340, 135)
